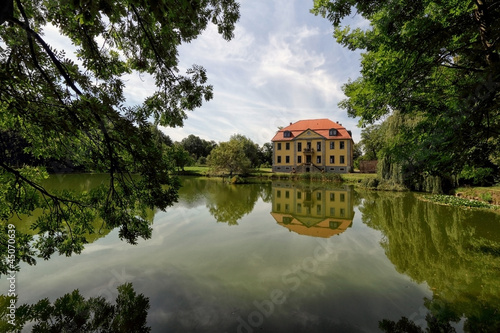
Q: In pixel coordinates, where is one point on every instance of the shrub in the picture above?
(477, 176)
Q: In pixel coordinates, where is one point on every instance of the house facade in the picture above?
(313, 145)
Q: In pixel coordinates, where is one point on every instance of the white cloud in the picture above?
(283, 65)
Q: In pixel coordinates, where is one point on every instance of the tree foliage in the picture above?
(229, 157)
(250, 149)
(75, 109)
(179, 156)
(197, 147)
(434, 67)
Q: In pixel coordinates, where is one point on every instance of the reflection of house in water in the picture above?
(312, 211)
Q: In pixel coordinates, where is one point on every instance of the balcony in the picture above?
(308, 151)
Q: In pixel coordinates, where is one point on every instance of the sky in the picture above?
(283, 65)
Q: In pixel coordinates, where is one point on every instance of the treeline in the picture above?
(399, 168)
(239, 154)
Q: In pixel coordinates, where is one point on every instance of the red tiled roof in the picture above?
(320, 126)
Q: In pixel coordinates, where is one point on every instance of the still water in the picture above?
(290, 257)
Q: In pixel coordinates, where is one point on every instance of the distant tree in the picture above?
(179, 156)
(266, 154)
(357, 154)
(229, 157)
(197, 147)
(250, 148)
(373, 138)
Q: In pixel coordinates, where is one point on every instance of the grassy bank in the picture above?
(489, 195)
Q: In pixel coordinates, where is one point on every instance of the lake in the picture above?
(289, 257)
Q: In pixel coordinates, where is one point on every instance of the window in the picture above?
(287, 194)
(279, 146)
(332, 196)
(299, 146)
(287, 146)
(342, 159)
(299, 195)
(318, 146)
(278, 194)
(318, 159)
(332, 159)
(334, 224)
(342, 144)
(287, 134)
(299, 208)
(299, 159)
(342, 197)
(287, 159)
(318, 195)
(332, 145)
(333, 132)
(318, 209)
(279, 159)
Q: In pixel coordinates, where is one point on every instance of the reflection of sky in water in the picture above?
(205, 276)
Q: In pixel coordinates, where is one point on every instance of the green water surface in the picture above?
(289, 257)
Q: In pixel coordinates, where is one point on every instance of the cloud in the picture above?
(283, 65)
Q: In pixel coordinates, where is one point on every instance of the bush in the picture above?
(477, 176)
(201, 161)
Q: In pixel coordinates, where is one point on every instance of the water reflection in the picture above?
(227, 203)
(73, 313)
(400, 258)
(455, 251)
(312, 210)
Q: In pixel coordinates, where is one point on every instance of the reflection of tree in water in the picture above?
(456, 251)
(191, 194)
(266, 193)
(73, 313)
(36, 236)
(229, 203)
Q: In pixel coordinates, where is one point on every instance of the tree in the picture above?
(197, 147)
(229, 157)
(266, 154)
(250, 149)
(373, 139)
(433, 66)
(76, 109)
(180, 156)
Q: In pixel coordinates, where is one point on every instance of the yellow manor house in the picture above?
(313, 145)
